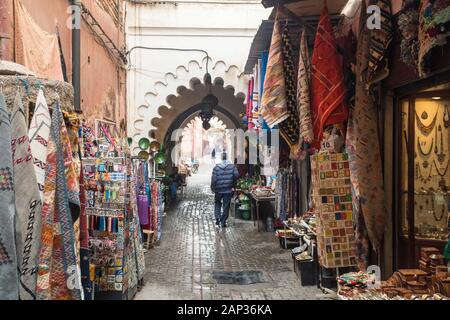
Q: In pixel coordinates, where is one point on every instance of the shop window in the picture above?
(424, 160)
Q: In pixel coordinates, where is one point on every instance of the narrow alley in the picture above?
(193, 250)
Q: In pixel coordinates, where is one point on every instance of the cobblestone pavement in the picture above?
(181, 265)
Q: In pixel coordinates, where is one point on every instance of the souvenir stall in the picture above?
(115, 243)
(39, 190)
(152, 189)
(369, 140)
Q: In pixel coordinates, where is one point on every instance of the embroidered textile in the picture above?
(380, 39)
(9, 277)
(273, 103)
(408, 24)
(38, 135)
(327, 80)
(27, 201)
(249, 105)
(303, 95)
(289, 127)
(57, 259)
(434, 28)
(364, 149)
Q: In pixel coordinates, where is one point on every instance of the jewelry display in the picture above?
(426, 130)
(435, 146)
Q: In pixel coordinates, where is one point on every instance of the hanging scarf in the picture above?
(380, 39)
(38, 135)
(27, 200)
(255, 99)
(289, 127)
(84, 243)
(434, 28)
(273, 104)
(364, 148)
(303, 96)
(249, 105)
(58, 277)
(9, 277)
(327, 83)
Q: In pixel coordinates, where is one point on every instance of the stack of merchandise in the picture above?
(353, 283)
(332, 195)
(425, 261)
(115, 246)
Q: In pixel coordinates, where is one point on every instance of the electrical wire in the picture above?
(172, 49)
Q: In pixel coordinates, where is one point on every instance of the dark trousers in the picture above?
(222, 201)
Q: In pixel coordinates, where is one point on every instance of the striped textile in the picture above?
(58, 272)
(27, 200)
(9, 277)
(380, 39)
(328, 90)
(289, 127)
(364, 149)
(303, 95)
(38, 135)
(273, 103)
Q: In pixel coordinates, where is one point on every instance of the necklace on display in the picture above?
(442, 182)
(425, 162)
(427, 178)
(420, 147)
(446, 116)
(426, 130)
(441, 155)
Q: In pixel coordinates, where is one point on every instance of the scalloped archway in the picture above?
(183, 91)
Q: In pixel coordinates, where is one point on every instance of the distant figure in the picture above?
(175, 180)
(223, 180)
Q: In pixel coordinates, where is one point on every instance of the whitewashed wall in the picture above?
(225, 29)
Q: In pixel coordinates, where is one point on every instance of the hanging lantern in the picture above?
(155, 146)
(160, 158)
(143, 155)
(144, 143)
(209, 102)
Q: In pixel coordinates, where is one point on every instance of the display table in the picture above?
(255, 209)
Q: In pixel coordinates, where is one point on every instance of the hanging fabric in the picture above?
(289, 127)
(328, 90)
(249, 105)
(27, 201)
(273, 104)
(380, 39)
(35, 48)
(58, 277)
(84, 243)
(303, 95)
(253, 120)
(38, 135)
(9, 277)
(364, 148)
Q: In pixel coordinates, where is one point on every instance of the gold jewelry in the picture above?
(426, 130)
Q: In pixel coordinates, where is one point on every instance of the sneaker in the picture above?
(217, 222)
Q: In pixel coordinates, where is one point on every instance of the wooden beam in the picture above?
(294, 17)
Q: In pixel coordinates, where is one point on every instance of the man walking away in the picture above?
(223, 180)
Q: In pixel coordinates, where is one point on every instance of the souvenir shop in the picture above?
(362, 194)
(71, 196)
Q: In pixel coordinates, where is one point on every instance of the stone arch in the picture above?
(182, 90)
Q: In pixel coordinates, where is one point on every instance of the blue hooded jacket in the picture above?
(224, 177)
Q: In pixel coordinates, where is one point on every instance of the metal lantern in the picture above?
(155, 146)
(160, 158)
(143, 155)
(209, 102)
(144, 143)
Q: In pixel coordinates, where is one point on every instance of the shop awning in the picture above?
(300, 13)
